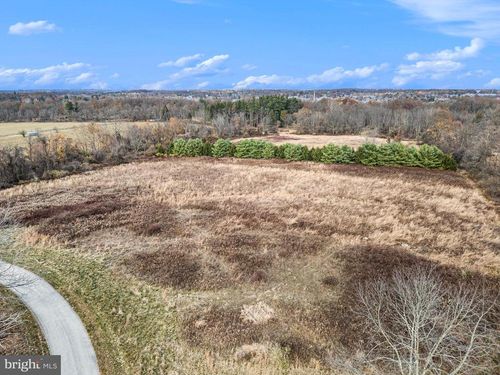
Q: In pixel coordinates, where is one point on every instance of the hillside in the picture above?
(244, 258)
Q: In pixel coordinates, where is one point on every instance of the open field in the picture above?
(10, 131)
(223, 260)
(311, 140)
(10, 134)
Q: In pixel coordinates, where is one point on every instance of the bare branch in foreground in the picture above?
(418, 325)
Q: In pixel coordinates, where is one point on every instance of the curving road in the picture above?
(62, 328)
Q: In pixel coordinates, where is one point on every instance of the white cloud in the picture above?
(34, 27)
(203, 68)
(59, 75)
(471, 18)
(47, 78)
(456, 53)
(182, 61)
(114, 76)
(425, 69)
(84, 77)
(328, 76)
(266, 80)
(249, 67)
(494, 83)
(435, 65)
(339, 74)
(41, 76)
(202, 85)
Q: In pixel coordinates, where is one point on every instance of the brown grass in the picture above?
(224, 234)
(25, 337)
(312, 140)
(10, 131)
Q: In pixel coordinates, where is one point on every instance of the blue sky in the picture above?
(224, 44)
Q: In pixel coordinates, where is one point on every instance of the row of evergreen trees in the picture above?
(255, 109)
(390, 154)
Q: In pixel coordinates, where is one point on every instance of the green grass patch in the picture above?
(131, 327)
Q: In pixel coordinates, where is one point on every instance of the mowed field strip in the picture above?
(320, 140)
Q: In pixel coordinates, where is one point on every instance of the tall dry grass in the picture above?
(221, 237)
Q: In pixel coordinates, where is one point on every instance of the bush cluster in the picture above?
(337, 154)
(295, 152)
(56, 156)
(390, 154)
(183, 147)
(223, 148)
(395, 154)
(253, 149)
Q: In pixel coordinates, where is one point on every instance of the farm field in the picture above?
(10, 131)
(311, 140)
(201, 265)
(10, 134)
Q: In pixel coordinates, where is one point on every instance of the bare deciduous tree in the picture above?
(418, 325)
(222, 126)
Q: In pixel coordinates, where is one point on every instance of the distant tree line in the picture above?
(467, 128)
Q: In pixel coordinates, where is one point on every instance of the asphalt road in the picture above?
(62, 328)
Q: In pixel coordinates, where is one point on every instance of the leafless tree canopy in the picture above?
(417, 325)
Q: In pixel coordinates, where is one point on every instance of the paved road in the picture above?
(63, 330)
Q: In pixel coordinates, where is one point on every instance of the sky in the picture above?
(249, 44)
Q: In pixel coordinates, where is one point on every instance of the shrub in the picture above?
(207, 149)
(393, 154)
(432, 157)
(316, 154)
(223, 148)
(14, 166)
(191, 147)
(194, 147)
(449, 162)
(367, 154)
(397, 154)
(178, 147)
(295, 152)
(279, 152)
(335, 154)
(160, 150)
(269, 151)
(250, 149)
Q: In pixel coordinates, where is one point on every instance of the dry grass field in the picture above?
(311, 140)
(257, 258)
(10, 131)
